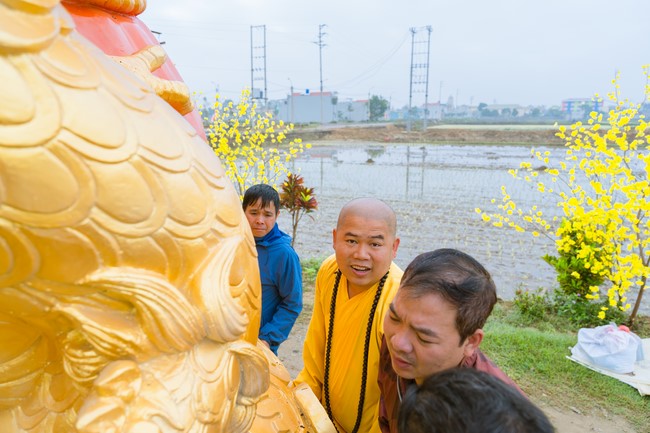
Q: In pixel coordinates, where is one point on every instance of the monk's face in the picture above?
(365, 248)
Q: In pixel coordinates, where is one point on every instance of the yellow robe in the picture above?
(346, 360)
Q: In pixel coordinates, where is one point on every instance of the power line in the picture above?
(375, 68)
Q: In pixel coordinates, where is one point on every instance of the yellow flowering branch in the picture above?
(602, 189)
(252, 146)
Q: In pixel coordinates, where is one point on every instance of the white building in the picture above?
(317, 108)
(352, 111)
(306, 108)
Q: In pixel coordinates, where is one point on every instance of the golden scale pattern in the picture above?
(128, 276)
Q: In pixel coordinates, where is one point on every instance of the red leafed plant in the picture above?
(297, 199)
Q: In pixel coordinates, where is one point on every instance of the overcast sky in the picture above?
(494, 51)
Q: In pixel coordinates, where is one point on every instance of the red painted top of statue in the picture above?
(113, 26)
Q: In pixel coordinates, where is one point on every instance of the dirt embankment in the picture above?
(461, 134)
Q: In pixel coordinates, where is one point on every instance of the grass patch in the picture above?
(310, 268)
(535, 357)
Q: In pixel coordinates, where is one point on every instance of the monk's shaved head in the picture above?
(369, 208)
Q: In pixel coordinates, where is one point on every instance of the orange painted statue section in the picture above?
(114, 27)
(129, 286)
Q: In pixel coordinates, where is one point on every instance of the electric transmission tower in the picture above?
(321, 44)
(420, 48)
(258, 63)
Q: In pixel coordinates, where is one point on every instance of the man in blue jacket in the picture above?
(279, 264)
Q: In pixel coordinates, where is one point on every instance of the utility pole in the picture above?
(426, 85)
(291, 100)
(368, 105)
(408, 115)
(258, 62)
(321, 44)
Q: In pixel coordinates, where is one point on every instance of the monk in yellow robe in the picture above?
(354, 288)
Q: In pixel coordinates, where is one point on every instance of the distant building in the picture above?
(579, 108)
(312, 107)
(417, 113)
(434, 110)
(508, 110)
(462, 111)
(352, 111)
(398, 113)
(306, 107)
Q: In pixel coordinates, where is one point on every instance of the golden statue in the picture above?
(128, 278)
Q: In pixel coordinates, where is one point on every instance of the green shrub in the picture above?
(583, 312)
(568, 310)
(533, 305)
(310, 268)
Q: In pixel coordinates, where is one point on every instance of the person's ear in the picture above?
(334, 238)
(473, 342)
(395, 246)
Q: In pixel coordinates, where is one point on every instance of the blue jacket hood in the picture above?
(274, 237)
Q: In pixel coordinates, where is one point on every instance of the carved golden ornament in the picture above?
(129, 7)
(286, 407)
(176, 93)
(128, 277)
(129, 287)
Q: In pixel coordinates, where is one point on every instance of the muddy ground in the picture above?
(461, 134)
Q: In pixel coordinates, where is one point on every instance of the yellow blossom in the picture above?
(239, 137)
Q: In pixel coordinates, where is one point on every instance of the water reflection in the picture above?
(434, 189)
(428, 173)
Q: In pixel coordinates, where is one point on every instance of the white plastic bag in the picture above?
(611, 347)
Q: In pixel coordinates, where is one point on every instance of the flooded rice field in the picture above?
(434, 190)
